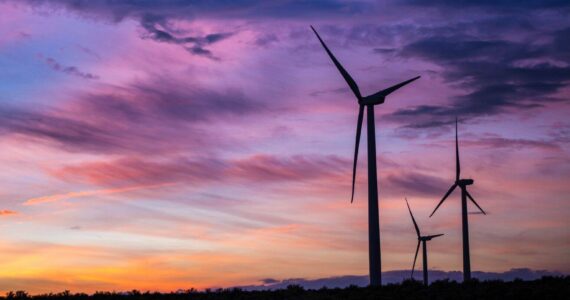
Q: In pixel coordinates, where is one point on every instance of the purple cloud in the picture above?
(500, 142)
(122, 120)
(194, 44)
(493, 74)
(414, 183)
(257, 168)
(267, 168)
(152, 15)
(70, 70)
(128, 171)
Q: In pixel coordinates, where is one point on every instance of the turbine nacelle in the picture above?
(428, 237)
(371, 100)
(464, 182)
(379, 97)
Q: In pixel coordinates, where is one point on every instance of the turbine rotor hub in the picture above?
(371, 101)
(465, 182)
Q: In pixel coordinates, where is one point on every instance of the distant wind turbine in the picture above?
(423, 240)
(462, 183)
(373, 215)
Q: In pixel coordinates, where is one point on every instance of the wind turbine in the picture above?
(423, 240)
(462, 183)
(373, 215)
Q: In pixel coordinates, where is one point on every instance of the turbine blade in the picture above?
(473, 200)
(415, 257)
(413, 220)
(457, 164)
(386, 92)
(444, 197)
(356, 145)
(343, 72)
(434, 236)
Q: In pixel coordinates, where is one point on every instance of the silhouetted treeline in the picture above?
(545, 288)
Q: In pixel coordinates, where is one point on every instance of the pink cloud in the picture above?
(122, 120)
(82, 194)
(128, 171)
(7, 212)
(263, 168)
(256, 168)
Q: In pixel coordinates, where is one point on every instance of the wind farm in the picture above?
(187, 150)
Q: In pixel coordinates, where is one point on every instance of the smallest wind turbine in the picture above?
(423, 240)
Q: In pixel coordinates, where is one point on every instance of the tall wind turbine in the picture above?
(462, 183)
(423, 240)
(373, 216)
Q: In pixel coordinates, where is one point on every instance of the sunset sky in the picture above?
(171, 144)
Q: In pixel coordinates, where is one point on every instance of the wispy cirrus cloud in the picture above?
(254, 169)
(413, 183)
(122, 119)
(157, 18)
(118, 10)
(307, 171)
(501, 142)
(70, 70)
(267, 168)
(193, 44)
(7, 212)
(131, 170)
(83, 194)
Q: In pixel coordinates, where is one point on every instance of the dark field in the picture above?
(545, 288)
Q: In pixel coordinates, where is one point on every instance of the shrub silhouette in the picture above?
(545, 288)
